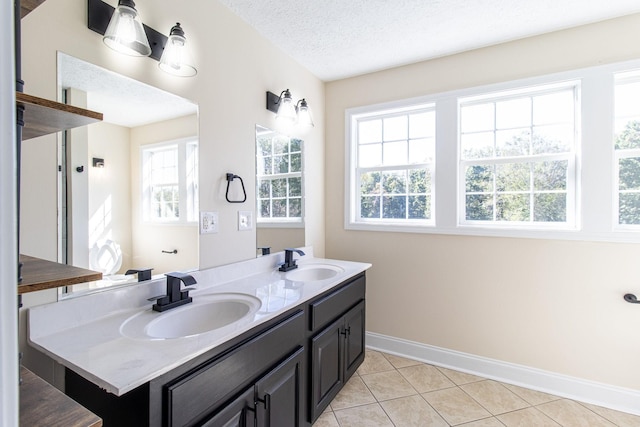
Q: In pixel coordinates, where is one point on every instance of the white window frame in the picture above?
(187, 181)
(595, 167)
(570, 157)
(353, 171)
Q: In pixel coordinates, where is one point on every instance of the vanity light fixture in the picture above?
(97, 162)
(174, 58)
(125, 33)
(287, 111)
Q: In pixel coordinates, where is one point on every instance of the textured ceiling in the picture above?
(122, 100)
(335, 39)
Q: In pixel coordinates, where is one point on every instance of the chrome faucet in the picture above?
(175, 297)
(289, 262)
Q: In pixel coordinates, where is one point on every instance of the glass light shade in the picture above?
(174, 58)
(125, 33)
(286, 108)
(304, 114)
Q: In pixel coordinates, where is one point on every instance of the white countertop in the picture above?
(84, 334)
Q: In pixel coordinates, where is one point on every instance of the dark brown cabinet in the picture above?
(282, 373)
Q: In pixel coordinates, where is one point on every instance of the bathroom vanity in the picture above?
(279, 364)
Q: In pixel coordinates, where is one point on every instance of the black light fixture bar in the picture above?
(98, 17)
(273, 101)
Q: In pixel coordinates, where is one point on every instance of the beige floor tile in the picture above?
(327, 419)
(455, 406)
(363, 416)
(400, 362)
(571, 414)
(425, 378)
(460, 378)
(526, 418)
(487, 422)
(412, 411)
(354, 393)
(620, 419)
(532, 397)
(388, 385)
(374, 362)
(495, 397)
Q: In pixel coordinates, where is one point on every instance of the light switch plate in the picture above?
(245, 220)
(208, 222)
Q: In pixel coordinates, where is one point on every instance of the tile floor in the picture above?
(393, 391)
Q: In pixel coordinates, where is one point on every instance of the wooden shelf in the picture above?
(39, 274)
(27, 6)
(41, 404)
(42, 116)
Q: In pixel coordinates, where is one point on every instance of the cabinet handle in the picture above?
(266, 401)
(347, 331)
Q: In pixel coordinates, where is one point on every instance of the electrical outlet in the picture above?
(245, 220)
(208, 222)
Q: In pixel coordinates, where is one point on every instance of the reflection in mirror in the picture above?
(279, 191)
(136, 204)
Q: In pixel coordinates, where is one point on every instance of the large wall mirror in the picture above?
(279, 191)
(134, 204)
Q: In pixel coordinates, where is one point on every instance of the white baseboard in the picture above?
(613, 397)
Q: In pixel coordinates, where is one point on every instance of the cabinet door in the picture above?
(326, 367)
(354, 347)
(278, 394)
(239, 413)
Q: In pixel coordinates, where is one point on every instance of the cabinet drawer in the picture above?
(329, 307)
(197, 394)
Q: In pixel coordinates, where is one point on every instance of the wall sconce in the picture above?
(98, 163)
(124, 33)
(173, 60)
(137, 37)
(287, 111)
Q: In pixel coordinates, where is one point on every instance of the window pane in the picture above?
(629, 173)
(370, 155)
(550, 175)
(295, 145)
(513, 113)
(296, 162)
(370, 207)
(279, 208)
(554, 108)
(479, 178)
(265, 166)
(629, 208)
(394, 182)
(421, 150)
(295, 208)
(629, 137)
(478, 117)
(628, 99)
(394, 207)
(552, 139)
(550, 207)
(419, 207)
(422, 125)
(419, 181)
(280, 145)
(369, 131)
(512, 207)
(265, 209)
(395, 153)
(479, 207)
(264, 188)
(295, 187)
(477, 145)
(513, 177)
(264, 146)
(395, 128)
(279, 188)
(281, 164)
(370, 183)
(514, 142)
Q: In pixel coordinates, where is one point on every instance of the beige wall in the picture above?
(149, 240)
(280, 238)
(552, 305)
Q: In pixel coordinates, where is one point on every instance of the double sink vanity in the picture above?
(256, 346)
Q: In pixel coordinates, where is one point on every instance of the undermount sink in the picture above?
(313, 272)
(205, 314)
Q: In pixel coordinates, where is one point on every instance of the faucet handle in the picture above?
(143, 273)
(185, 278)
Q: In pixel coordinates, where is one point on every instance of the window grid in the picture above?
(394, 187)
(495, 200)
(627, 151)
